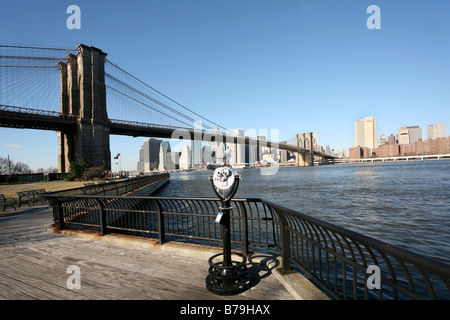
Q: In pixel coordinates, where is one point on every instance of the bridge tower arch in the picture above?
(306, 158)
(83, 95)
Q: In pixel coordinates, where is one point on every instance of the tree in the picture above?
(84, 170)
(3, 166)
(7, 166)
(75, 171)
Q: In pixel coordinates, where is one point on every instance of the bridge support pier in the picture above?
(83, 94)
(305, 159)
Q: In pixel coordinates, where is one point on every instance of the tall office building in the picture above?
(185, 158)
(261, 147)
(436, 131)
(237, 150)
(151, 154)
(214, 152)
(164, 148)
(197, 145)
(172, 160)
(409, 135)
(316, 146)
(140, 165)
(366, 133)
(415, 134)
(403, 135)
(196, 153)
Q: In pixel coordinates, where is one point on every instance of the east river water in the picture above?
(406, 204)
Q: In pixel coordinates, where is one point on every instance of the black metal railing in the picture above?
(117, 188)
(337, 260)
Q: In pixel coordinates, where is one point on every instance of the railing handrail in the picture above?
(107, 185)
(409, 256)
(324, 252)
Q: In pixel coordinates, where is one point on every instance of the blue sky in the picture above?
(292, 65)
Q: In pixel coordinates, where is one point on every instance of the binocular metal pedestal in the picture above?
(226, 276)
(227, 279)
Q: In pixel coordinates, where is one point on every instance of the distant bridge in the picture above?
(85, 89)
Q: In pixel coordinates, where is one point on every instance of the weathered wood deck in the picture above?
(34, 262)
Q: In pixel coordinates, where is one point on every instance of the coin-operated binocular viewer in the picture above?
(226, 276)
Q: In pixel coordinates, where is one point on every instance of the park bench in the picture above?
(30, 197)
(7, 202)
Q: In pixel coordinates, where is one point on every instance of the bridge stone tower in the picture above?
(306, 141)
(83, 95)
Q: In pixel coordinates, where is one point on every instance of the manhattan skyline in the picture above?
(295, 66)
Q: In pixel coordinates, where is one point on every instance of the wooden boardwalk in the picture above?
(34, 263)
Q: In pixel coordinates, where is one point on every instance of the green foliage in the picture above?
(76, 170)
(83, 170)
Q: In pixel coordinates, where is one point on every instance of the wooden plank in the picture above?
(33, 265)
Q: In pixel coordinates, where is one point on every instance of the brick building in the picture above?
(435, 146)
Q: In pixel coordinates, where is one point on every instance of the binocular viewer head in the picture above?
(225, 182)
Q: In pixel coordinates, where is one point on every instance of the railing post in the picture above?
(60, 214)
(244, 229)
(161, 232)
(103, 224)
(285, 243)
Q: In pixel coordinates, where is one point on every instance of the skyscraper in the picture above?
(214, 152)
(366, 133)
(185, 158)
(151, 154)
(140, 167)
(415, 134)
(403, 135)
(163, 150)
(237, 149)
(436, 131)
(409, 135)
(196, 153)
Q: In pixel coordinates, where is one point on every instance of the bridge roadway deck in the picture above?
(34, 262)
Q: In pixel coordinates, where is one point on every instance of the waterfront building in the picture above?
(214, 152)
(236, 153)
(261, 148)
(366, 133)
(151, 154)
(415, 134)
(392, 139)
(316, 146)
(185, 158)
(427, 147)
(382, 140)
(251, 153)
(196, 153)
(409, 135)
(436, 131)
(403, 135)
(163, 150)
(172, 160)
(140, 164)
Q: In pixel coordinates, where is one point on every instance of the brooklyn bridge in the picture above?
(85, 98)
